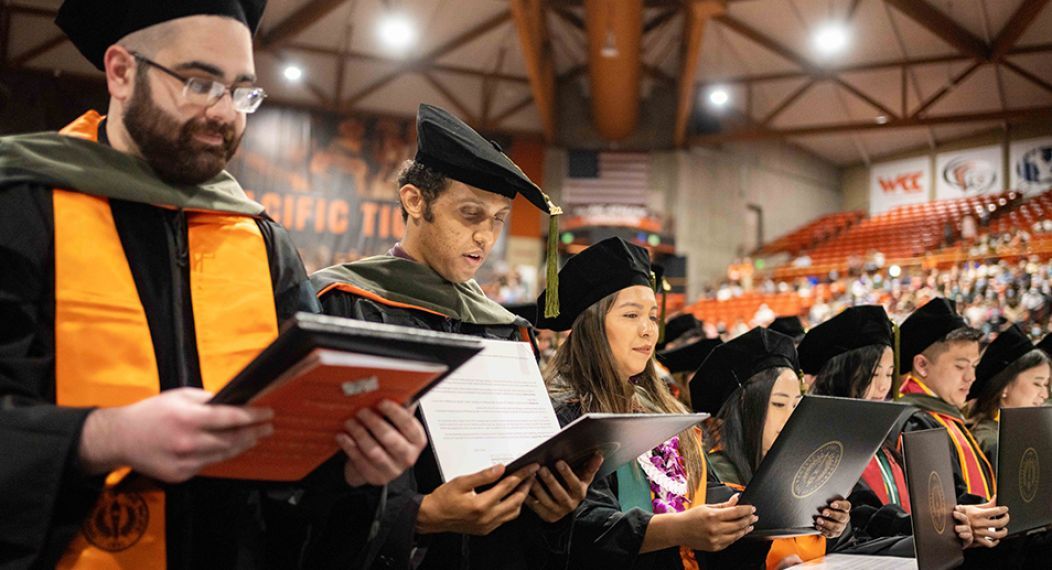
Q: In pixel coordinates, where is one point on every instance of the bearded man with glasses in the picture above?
(136, 279)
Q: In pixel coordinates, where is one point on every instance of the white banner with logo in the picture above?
(1031, 164)
(971, 172)
(898, 183)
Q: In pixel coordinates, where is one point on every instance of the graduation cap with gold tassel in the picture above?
(661, 287)
(450, 146)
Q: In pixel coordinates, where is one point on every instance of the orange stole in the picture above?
(104, 354)
(970, 456)
(806, 547)
(686, 555)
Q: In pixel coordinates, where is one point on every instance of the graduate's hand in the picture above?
(789, 562)
(988, 521)
(456, 507)
(962, 528)
(711, 528)
(171, 436)
(379, 450)
(832, 519)
(553, 499)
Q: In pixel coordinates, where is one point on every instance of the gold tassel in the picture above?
(551, 298)
(896, 382)
(665, 287)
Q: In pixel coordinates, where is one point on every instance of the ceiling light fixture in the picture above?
(293, 73)
(719, 97)
(397, 32)
(831, 38)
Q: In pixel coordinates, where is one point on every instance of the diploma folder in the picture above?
(1024, 468)
(320, 372)
(819, 455)
(929, 476)
(619, 438)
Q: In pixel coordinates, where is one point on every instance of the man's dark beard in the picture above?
(182, 159)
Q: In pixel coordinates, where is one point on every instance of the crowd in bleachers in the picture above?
(991, 255)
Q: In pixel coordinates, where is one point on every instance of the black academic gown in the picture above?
(606, 536)
(211, 523)
(524, 543)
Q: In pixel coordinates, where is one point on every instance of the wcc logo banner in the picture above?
(1031, 164)
(893, 184)
(969, 172)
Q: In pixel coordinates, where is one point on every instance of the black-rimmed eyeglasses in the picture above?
(206, 92)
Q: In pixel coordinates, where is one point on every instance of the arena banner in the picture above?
(971, 172)
(897, 183)
(331, 181)
(1031, 164)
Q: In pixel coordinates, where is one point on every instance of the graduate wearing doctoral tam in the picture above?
(730, 365)
(688, 358)
(853, 328)
(397, 289)
(1045, 344)
(790, 326)
(973, 473)
(118, 284)
(1010, 345)
(611, 523)
(880, 504)
(600, 270)
(679, 326)
(716, 384)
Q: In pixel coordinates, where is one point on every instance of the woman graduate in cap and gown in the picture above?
(1012, 373)
(650, 513)
(752, 383)
(852, 356)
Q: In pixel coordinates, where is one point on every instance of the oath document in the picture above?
(491, 410)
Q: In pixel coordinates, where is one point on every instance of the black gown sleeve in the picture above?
(45, 495)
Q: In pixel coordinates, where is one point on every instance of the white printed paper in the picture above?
(491, 410)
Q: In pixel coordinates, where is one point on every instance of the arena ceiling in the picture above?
(914, 73)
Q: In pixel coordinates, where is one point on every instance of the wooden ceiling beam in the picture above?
(657, 21)
(507, 113)
(767, 42)
(465, 113)
(303, 18)
(862, 95)
(938, 23)
(429, 58)
(489, 87)
(957, 80)
(792, 98)
(747, 134)
(875, 66)
(569, 17)
(695, 17)
(1017, 25)
(1028, 76)
(374, 58)
(532, 29)
(36, 51)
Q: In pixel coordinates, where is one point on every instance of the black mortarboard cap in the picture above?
(688, 358)
(527, 311)
(450, 146)
(94, 25)
(926, 326)
(601, 269)
(1010, 345)
(1045, 344)
(680, 325)
(730, 365)
(853, 328)
(790, 326)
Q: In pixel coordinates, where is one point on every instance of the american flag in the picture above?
(607, 178)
